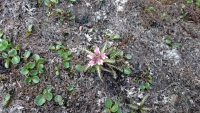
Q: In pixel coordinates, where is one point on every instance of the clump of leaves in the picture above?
(59, 99)
(6, 101)
(111, 36)
(41, 99)
(28, 32)
(198, 3)
(9, 52)
(112, 107)
(169, 43)
(61, 50)
(140, 106)
(32, 69)
(99, 58)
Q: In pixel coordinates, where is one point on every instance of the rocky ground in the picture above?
(175, 71)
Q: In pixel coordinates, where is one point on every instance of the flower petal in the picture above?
(91, 56)
(103, 56)
(97, 51)
(99, 61)
(91, 63)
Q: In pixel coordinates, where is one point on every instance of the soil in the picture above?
(175, 71)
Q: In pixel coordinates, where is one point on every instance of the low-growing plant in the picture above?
(111, 36)
(140, 106)
(98, 58)
(28, 32)
(148, 80)
(61, 50)
(59, 99)
(26, 55)
(32, 69)
(112, 107)
(6, 101)
(57, 69)
(9, 52)
(169, 43)
(41, 99)
(189, 1)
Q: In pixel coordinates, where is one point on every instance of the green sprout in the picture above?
(28, 32)
(163, 16)
(151, 9)
(59, 99)
(112, 107)
(140, 106)
(6, 101)
(61, 50)
(32, 69)
(50, 3)
(113, 37)
(169, 43)
(41, 99)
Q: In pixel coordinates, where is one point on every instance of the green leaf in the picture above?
(33, 72)
(12, 52)
(28, 34)
(36, 79)
(30, 65)
(52, 47)
(121, 53)
(55, 1)
(26, 54)
(128, 56)
(48, 96)
(58, 47)
(108, 103)
(30, 27)
(27, 79)
(89, 52)
(163, 16)
(7, 97)
(114, 108)
(36, 57)
(99, 72)
(58, 43)
(24, 71)
(1, 33)
(143, 100)
(59, 11)
(39, 100)
(40, 60)
(127, 71)
(4, 55)
(40, 66)
(70, 88)
(57, 73)
(175, 45)
(189, 1)
(7, 63)
(47, 3)
(107, 110)
(40, 70)
(147, 85)
(62, 18)
(104, 47)
(3, 45)
(47, 90)
(58, 98)
(15, 60)
(79, 67)
(151, 9)
(72, 17)
(119, 111)
(116, 37)
(167, 41)
(142, 86)
(66, 65)
(69, 53)
(72, 0)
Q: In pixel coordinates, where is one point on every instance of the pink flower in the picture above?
(96, 57)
